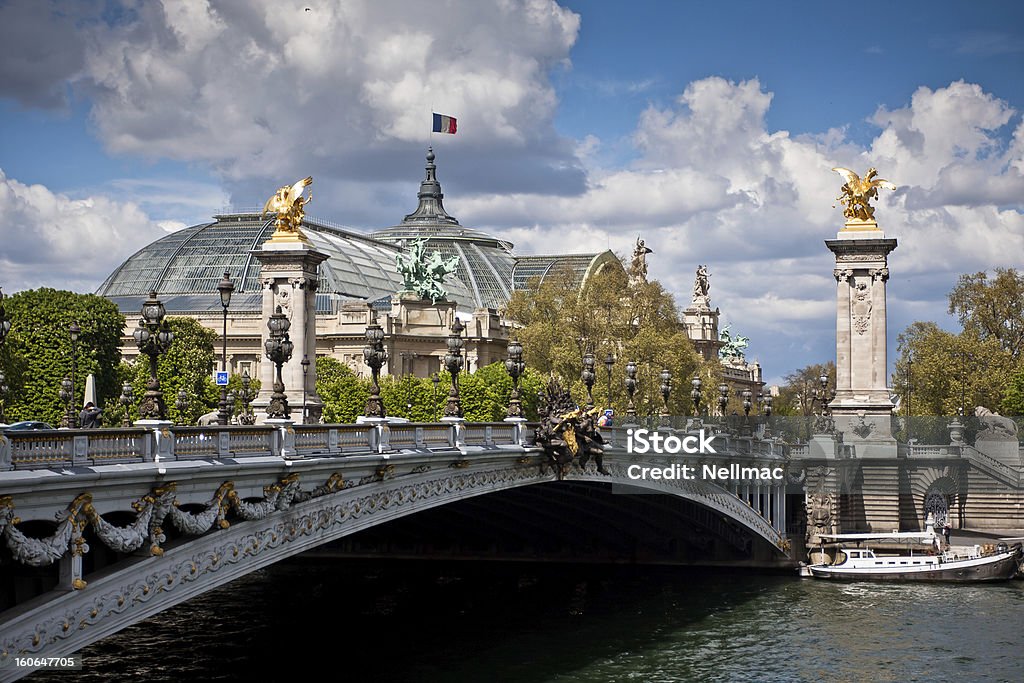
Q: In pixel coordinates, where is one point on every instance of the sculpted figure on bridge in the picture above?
(288, 204)
(568, 432)
(858, 192)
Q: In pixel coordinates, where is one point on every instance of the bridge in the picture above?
(103, 528)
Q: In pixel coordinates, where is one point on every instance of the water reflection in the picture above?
(403, 621)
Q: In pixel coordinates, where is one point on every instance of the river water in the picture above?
(318, 619)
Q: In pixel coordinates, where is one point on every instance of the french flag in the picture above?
(444, 124)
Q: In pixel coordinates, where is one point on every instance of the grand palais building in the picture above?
(358, 281)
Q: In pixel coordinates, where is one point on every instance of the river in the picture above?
(317, 619)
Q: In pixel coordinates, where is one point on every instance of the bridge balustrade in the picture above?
(68, 448)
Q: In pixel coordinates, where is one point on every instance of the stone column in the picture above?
(288, 272)
(862, 408)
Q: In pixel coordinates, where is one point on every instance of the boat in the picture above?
(964, 564)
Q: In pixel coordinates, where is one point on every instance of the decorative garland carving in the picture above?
(151, 512)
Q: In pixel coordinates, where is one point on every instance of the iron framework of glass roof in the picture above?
(185, 267)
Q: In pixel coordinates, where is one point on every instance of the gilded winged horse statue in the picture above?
(858, 192)
(287, 203)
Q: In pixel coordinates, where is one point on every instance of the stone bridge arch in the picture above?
(295, 520)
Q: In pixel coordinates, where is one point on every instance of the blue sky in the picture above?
(708, 128)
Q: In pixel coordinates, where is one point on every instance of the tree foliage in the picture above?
(610, 316)
(938, 372)
(484, 394)
(992, 308)
(797, 396)
(37, 354)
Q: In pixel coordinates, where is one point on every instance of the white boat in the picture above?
(931, 564)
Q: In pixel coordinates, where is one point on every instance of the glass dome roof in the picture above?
(185, 267)
(485, 262)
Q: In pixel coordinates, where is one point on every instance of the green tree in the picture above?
(950, 370)
(796, 396)
(37, 353)
(188, 364)
(343, 393)
(992, 308)
(1013, 401)
(638, 322)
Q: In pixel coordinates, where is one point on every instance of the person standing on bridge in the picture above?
(90, 416)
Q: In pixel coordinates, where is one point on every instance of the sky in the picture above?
(708, 129)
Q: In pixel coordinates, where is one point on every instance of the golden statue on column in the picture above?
(857, 193)
(287, 203)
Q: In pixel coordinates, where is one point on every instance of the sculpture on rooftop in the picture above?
(288, 204)
(702, 288)
(638, 266)
(857, 193)
(733, 346)
(424, 275)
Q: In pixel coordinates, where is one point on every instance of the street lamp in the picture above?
(127, 398)
(153, 336)
(246, 395)
(74, 331)
(3, 396)
(631, 389)
(609, 361)
(823, 395)
(723, 398)
(453, 363)
(305, 374)
(515, 366)
(66, 396)
(588, 376)
(666, 388)
(747, 404)
(375, 355)
(696, 395)
(767, 407)
(225, 287)
(231, 406)
(182, 404)
(436, 380)
(278, 349)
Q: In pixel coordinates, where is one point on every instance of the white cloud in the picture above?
(265, 89)
(52, 240)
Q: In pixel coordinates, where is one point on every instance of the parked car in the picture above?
(27, 425)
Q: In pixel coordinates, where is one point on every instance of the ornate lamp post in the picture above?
(278, 349)
(74, 331)
(723, 398)
(630, 390)
(66, 395)
(375, 355)
(453, 363)
(3, 396)
(436, 380)
(609, 361)
(182, 404)
(225, 287)
(153, 337)
(666, 388)
(747, 404)
(246, 396)
(127, 398)
(767, 407)
(588, 376)
(822, 395)
(515, 366)
(305, 374)
(231, 406)
(696, 395)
